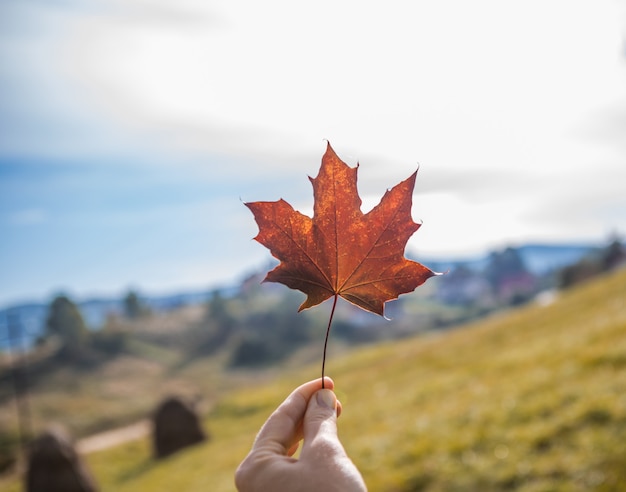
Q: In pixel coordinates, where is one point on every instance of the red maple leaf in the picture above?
(341, 251)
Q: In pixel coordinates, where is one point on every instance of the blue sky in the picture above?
(131, 131)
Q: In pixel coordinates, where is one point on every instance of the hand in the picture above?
(309, 413)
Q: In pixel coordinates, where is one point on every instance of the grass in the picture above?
(529, 400)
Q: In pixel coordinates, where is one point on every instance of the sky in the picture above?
(133, 131)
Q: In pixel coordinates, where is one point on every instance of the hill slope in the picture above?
(529, 400)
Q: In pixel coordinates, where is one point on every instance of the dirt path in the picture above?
(113, 437)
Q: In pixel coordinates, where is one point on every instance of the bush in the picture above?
(109, 342)
(253, 352)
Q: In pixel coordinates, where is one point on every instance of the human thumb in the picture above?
(325, 399)
(320, 424)
(323, 457)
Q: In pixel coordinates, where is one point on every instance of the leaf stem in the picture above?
(330, 320)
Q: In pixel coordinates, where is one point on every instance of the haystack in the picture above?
(176, 425)
(53, 465)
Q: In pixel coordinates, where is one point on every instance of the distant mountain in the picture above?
(542, 258)
(28, 320)
(538, 258)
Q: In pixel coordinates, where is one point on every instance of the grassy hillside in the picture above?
(530, 400)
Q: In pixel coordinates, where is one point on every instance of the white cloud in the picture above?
(449, 83)
(356, 73)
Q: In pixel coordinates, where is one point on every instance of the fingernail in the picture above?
(327, 399)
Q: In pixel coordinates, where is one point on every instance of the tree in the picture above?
(610, 257)
(66, 322)
(133, 307)
(613, 255)
(503, 265)
(511, 281)
(217, 327)
(218, 310)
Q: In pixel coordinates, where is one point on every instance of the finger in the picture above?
(300, 432)
(283, 428)
(320, 428)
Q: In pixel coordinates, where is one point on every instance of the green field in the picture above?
(527, 400)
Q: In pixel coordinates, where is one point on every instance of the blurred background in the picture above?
(131, 133)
